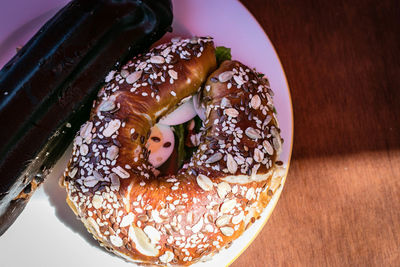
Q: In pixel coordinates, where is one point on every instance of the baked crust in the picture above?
(176, 219)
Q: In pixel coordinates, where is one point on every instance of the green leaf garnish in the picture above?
(222, 53)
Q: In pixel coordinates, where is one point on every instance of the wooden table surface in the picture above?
(341, 202)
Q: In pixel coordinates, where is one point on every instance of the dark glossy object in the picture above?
(47, 89)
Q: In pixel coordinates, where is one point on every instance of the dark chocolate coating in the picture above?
(51, 82)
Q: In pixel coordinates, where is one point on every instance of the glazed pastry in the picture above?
(179, 218)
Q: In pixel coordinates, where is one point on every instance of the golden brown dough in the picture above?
(176, 219)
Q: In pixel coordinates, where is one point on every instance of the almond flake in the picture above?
(112, 152)
(173, 74)
(223, 220)
(114, 182)
(255, 102)
(223, 189)
(167, 257)
(231, 112)
(86, 129)
(124, 73)
(197, 227)
(127, 220)
(142, 242)
(228, 205)
(238, 218)
(112, 127)
(258, 155)
(231, 164)
(107, 105)
(250, 193)
(84, 149)
(267, 146)
(214, 158)
(97, 201)
(152, 233)
(253, 133)
(225, 76)
(116, 241)
(157, 60)
(121, 172)
(238, 79)
(90, 181)
(133, 77)
(204, 182)
(227, 231)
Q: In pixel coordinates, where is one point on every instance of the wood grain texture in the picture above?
(341, 202)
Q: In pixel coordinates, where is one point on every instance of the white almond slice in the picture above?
(204, 182)
(112, 127)
(142, 242)
(197, 227)
(223, 189)
(152, 233)
(182, 114)
(161, 144)
(116, 241)
(97, 201)
(167, 257)
(238, 218)
(228, 205)
(127, 220)
(121, 172)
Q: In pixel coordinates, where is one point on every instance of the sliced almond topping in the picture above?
(153, 234)
(204, 182)
(214, 158)
(97, 201)
(142, 242)
(231, 112)
(73, 172)
(228, 205)
(121, 172)
(197, 227)
(258, 155)
(231, 164)
(268, 147)
(114, 182)
(255, 102)
(223, 189)
(116, 241)
(90, 181)
(112, 152)
(127, 220)
(112, 127)
(157, 60)
(124, 73)
(133, 77)
(253, 133)
(238, 79)
(167, 257)
(107, 105)
(250, 193)
(86, 129)
(223, 220)
(173, 74)
(225, 76)
(238, 218)
(84, 149)
(227, 231)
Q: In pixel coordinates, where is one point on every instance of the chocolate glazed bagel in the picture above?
(182, 218)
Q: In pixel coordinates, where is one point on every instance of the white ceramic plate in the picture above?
(47, 232)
